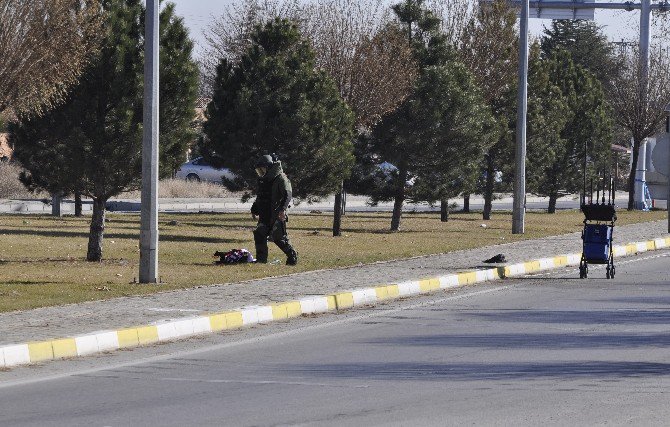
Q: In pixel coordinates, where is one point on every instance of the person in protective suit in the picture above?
(272, 200)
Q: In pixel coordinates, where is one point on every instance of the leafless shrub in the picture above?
(10, 186)
(181, 189)
(43, 47)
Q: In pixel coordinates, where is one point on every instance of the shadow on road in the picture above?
(480, 371)
(532, 341)
(603, 317)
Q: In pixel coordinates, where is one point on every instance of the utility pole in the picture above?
(640, 176)
(149, 212)
(519, 215)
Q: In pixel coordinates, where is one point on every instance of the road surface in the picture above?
(549, 349)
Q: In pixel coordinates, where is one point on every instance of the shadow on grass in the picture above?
(27, 282)
(130, 236)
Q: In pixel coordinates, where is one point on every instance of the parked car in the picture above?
(199, 170)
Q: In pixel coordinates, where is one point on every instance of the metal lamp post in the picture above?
(519, 206)
(667, 131)
(149, 212)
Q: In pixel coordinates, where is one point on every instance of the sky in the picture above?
(198, 14)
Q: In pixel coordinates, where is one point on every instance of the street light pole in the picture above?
(149, 211)
(667, 199)
(519, 214)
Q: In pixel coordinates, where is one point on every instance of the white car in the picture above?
(199, 170)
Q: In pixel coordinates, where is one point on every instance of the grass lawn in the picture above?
(42, 259)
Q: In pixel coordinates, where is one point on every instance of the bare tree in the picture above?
(44, 45)
(229, 34)
(455, 16)
(639, 104)
(363, 52)
(489, 49)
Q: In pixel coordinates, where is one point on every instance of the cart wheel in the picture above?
(613, 271)
(583, 272)
(607, 272)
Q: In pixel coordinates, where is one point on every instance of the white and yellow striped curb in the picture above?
(170, 330)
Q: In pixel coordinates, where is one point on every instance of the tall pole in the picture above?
(149, 214)
(667, 199)
(645, 16)
(519, 214)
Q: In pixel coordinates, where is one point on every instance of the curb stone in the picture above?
(171, 330)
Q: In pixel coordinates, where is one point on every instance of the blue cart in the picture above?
(597, 238)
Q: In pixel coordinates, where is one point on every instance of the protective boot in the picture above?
(292, 257)
(280, 237)
(261, 242)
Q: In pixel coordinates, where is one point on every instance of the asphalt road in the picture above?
(548, 349)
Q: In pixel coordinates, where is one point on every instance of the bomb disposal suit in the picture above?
(273, 199)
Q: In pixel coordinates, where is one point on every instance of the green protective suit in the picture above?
(274, 195)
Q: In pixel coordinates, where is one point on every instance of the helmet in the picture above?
(264, 161)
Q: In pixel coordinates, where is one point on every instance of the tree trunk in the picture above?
(399, 199)
(337, 213)
(552, 203)
(77, 204)
(631, 176)
(488, 190)
(344, 202)
(466, 203)
(444, 210)
(97, 231)
(56, 202)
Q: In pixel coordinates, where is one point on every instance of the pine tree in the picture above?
(569, 119)
(434, 137)
(275, 101)
(395, 136)
(587, 45)
(92, 143)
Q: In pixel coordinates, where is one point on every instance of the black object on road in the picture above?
(498, 259)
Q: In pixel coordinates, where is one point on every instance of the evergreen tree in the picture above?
(548, 114)
(570, 119)
(275, 101)
(178, 91)
(587, 45)
(92, 144)
(395, 137)
(437, 137)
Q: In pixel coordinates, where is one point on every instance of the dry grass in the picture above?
(10, 186)
(182, 189)
(42, 258)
